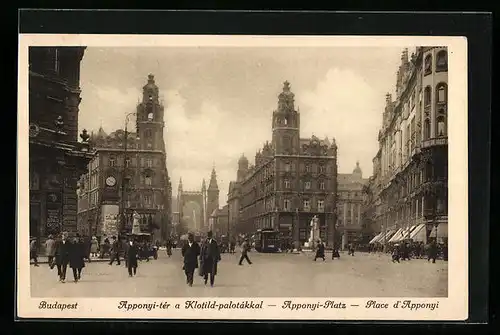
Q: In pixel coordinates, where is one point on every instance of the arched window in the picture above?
(442, 61)
(285, 121)
(427, 96)
(441, 93)
(428, 65)
(148, 180)
(427, 129)
(441, 126)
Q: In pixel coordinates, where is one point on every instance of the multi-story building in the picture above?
(56, 158)
(411, 179)
(195, 207)
(350, 205)
(293, 180)
(218, 222)
(129, 168)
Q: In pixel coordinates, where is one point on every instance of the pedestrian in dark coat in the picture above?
(77, 257)
(62, 256)
(320, 251)
(190, 251)
(131, 258)
(335, 252)
(209, 257)
(116, 249)
(432, 252)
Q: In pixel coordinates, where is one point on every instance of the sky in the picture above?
(219, 100)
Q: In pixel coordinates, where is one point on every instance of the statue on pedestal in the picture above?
(314, 233)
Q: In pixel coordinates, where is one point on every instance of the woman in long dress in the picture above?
(94, 247)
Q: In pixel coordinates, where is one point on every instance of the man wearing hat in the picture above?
(190, 251)
(62, 256)
(50, 250)
(33, 251)
(209, 257)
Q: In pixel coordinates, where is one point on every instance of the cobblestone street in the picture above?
(270, 275)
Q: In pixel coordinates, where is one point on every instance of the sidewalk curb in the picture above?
(98, 260)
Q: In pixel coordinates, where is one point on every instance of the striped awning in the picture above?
(418, 234)
(397, 236)
(376, 238)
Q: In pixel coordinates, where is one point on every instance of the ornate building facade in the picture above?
(350, 206)
(129, 168)
(293, 179)
(56, 158)
(195, 207)
(410, 183)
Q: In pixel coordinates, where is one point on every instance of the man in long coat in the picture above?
(190, 251)
(131, 257)
(77, 257)
(209, 257)
(62, 256)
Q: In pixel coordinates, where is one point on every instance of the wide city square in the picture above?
(269, 275)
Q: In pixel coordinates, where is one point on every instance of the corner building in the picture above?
(136, 160)
(56, 158)
(350, 205)
(293, 179)
(411, 166)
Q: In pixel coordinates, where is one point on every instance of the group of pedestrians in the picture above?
(205, 258)
(63, 252)
(401, 252)
(320, 251)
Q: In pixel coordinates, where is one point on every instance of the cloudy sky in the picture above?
(219, 101)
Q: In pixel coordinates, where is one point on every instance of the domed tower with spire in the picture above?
(212, 194)
(150, 115)
(286, 123)
(357, 173)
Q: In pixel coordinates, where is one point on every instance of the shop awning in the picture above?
(388, 235)
(442, 231)
(418, 234)
(376, 238)
(396, 236)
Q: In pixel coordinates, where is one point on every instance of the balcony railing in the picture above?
(435, 142)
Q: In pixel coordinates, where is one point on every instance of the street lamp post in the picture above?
(123, 177)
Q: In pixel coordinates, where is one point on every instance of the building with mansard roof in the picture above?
(410, 184)
(291, 180)
(129, 168)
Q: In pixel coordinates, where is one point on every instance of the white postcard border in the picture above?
(454, 307)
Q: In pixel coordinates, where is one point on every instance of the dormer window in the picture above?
(428, 65)
(442, 61)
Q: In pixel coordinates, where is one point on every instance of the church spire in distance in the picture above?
(213, 180)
